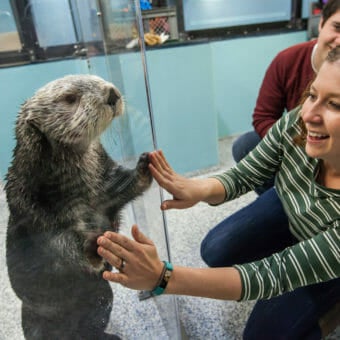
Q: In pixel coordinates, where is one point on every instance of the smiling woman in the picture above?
(283, 249)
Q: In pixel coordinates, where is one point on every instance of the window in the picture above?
(65, 14)
(47, 15)
(9, 37)
(207, 14)
(40, 30)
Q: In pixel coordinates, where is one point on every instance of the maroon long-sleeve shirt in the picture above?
(283, 84)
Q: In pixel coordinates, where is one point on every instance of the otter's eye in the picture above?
(70, 98)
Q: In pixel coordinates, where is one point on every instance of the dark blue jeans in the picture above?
(242, 146)
(256, 231)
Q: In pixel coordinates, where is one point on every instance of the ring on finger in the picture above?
(122, 265)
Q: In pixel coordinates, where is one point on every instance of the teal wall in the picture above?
(238, 68)
(199, 92)
(183, 101)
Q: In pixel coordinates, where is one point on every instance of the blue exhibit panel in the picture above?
(239, 66)
(183, 104)
(207, 14)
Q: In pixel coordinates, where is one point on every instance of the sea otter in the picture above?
(63, 191)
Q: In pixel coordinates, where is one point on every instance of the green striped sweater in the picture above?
(313, 212)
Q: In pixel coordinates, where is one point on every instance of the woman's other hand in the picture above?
(137, 260)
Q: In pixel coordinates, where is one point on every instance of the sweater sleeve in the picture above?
(282, 87)
(270, 104)
(311, 261)
(258, 166)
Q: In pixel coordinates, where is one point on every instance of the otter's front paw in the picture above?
(143, 172)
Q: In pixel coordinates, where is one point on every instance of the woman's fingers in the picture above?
(163, 162)
(159, 177)
(159, 162)
(160, 168)
(165, 179)
(172, 204)
(109, 256)
(112, 251)
(136, 259)
(139, 236)
(116, 247)
(119, 239)
(115, 277)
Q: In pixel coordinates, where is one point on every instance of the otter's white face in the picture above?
(75, 109)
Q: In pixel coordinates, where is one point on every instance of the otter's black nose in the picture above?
(113, 97)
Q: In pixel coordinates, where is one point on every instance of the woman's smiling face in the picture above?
(321, 114)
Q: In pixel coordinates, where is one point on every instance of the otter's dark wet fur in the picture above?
(63, 191)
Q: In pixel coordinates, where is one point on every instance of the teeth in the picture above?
(315, 134)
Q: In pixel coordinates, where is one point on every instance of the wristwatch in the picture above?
(164, 279)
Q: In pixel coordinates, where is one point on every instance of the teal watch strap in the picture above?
(164, 278)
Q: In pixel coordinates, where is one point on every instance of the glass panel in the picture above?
(46, 12)
(131, 135)
(306, 8)
(119, 23)
(205, 14)
(128, 137)
(9, 37)
(65, 14)
(87, 28)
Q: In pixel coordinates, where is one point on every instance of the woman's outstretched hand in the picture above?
(137, 260)
(186, 192)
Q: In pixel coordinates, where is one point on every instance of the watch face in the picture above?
(167, 275)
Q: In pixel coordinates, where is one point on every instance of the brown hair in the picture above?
(330, 8)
